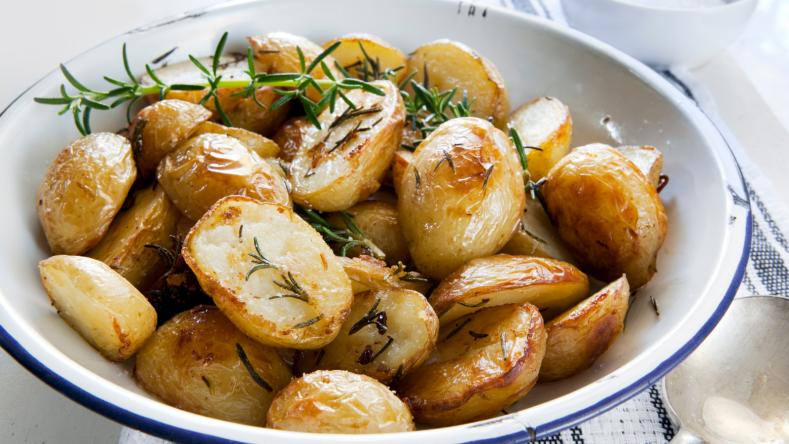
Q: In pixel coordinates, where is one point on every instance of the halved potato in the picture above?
(292, 293)
(262, 146)
(378, 221)
(289, 136)
(607, 213)
(368, 273)
(339, 402)
(211, 166)
(581, 335)
(387, 334)
(243, 112)
(453, 64)
(483, 363)
(379, 53)
(202, 363)
(536, 236)
(402, 159)
(83, 189)
(544, 123)
(99, 304)
(462, 196)
(553, 286)
(648, 159)
(151, 220)
(344, 162)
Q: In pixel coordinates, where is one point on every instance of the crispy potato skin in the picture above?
(350, 56)
(411, 324)
(289, 136)
(544, 123)
(262, 146)
(455, 214)
(99, 304)
(219, 257)
(550, 285)
(402, 159)
(368, 273)
(468, 379)
(151, 220)
(158, 129)
(83, 189)
(212, 166)
(339, 402)
(379, 223)
(453, 64)
(537, 237)
(607, 213)
(648, 159)
(581, 335)
(192, 363)
(336, 168)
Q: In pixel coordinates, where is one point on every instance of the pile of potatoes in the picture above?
(177, 241)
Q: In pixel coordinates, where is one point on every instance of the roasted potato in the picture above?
(339, 402)
(270, 273)
(82, 191)
(581, 335)
(462, 197)
(262, 146)
(544, 123)
(483, 363)
(648, 160)
(379, 55)
(368, 273)
(607, 213)
(387, 334)
(151, 220)
(243, 112)
(340, 165)
(99, 304)
(553, 286)
(289, 137)
(378, 221)
(537, 237)
(202, 363)
(402, 159)
(455, 65)
(211, 166)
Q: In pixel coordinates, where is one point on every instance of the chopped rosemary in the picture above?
(487, 176)
(289, 283)
(306, 324)
(504, 345)
(240, 231)
(630, 302)
(397, 376)
(455, 331)
(320, 356)
(478, 335)
(479, 304)
(655, 306)
(244, 360)
(367, 356)
(400, 272)
(444, 311)
(208, 384)
(165, 255)
(258, 259)
(379, 319)
(418, 179)
(448, 158)
(348, 238)
(349, 113)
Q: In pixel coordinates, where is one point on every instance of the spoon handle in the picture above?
(685, 436)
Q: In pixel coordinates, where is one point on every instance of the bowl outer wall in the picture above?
(39, 340)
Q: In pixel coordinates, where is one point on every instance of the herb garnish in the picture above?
(204, 378)
(309, 322)
(244, 360)
(289, 283)
(455, 331)
(258, 259)
(478, 335)
(348, 238)
(487, 176)
(479, 304)
(448, 158)
(418, 179)
(165, 255)
(240, 231)
(320, 356)
(379, 319)
(397, 375)
(428, 109)
(400, 272)
(367, 355)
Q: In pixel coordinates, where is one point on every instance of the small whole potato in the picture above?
(289, 136)
(99, 304)
(544, 123)
(262, 146)
(537, 237)
(83, 190)
(379, 54)
(200, 362)
(379, 223)
(212, 166)
(368, 273)
(339, 402)
(462, 196)
(387, 334)
(607, 213)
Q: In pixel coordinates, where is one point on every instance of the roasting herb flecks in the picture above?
(245, 360)
(367, 355)
(289, 283)
(504, 345)
(320, 357)
(401, 272)
(478, 335)
(479, 304)
(307, 323)
(455, 331)
(349, 237)
(379, 319)
(258, 259)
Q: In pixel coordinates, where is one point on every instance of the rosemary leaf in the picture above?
(455, 331)
(244, 360)
(306, 324)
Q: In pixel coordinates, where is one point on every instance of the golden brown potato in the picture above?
(212, 166)
(99, 304)
(483, 363)
(378, 221)
(344, 162)
(387, 334)
(544, 123)
(607, 213)
(380, 55)
(402, 159)
(452, 64)
(553, 286)
(462, 197)
(648, 160)
(243, 112)
(368, 273)
(158, 129)
(200, 362)
(260, 145)
(581, 335)
(339, 402)
(151, 220)
(83, 189)
(537, 237)
(289, 136)
(292, 293)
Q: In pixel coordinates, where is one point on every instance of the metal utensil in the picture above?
(745, 360)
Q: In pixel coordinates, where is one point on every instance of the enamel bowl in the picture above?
(613, 99)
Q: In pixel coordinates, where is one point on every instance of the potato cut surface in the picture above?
(368, 273)
(648, 159)
(536, 236)
(544, 123)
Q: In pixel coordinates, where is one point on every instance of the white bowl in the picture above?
(700, 266)
(661, 37)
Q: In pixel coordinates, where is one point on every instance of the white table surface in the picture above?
(750, 82)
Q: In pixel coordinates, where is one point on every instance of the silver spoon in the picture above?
(745, 360)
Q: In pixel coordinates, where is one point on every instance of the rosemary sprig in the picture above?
(258, 259)
(429, 108)
(289, 283)
(379, 319)
(348, 237)
(367, 355)
(401, 272)
(245, 360)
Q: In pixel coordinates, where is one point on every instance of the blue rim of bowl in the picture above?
(173, 433)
